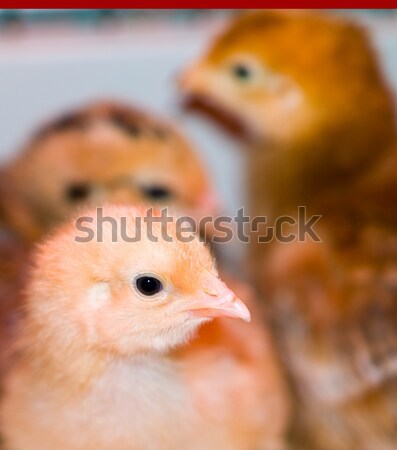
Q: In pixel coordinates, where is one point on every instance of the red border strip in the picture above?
(199, 4)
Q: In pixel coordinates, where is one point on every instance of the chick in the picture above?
(308, 89)
(103, 152)
(102, 358)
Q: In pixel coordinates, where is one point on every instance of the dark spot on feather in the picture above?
(125, 124)
(66, 122)
(69, 121)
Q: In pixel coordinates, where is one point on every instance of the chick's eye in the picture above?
(78, 192)
(157, 192)
(149, 286)
(241, 72)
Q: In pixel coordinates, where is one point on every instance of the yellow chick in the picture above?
(102, 359)
(309, 90)
(105, 152)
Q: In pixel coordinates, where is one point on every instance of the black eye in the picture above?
(149, 286)
(241, 72)
(157, 192)
(78, 192)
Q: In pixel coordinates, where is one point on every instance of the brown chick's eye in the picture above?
(241, 72)
(78, 192)
(157, 192)
(149, 286)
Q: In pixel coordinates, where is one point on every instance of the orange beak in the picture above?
(217, 300)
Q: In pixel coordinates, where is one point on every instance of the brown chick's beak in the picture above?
(219, 301)
(188, 81)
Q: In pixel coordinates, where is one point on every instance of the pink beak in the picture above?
(217, 300)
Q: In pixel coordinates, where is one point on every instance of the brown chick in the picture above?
(103, 359)
(309, 90)
(105, 152)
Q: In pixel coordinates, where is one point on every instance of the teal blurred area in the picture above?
(98, 16)
(94, 17)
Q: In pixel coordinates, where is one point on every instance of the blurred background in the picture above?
(331, 308)
(53, 60)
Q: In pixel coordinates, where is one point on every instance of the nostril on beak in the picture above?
(211, 293)
(230, 298)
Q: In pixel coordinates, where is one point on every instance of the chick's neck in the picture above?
(326, 163)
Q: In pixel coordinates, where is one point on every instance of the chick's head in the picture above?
(105, 152)
(283, 74)
(123, 297)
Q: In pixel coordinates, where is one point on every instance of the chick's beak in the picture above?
(217, 300)
(190, 80)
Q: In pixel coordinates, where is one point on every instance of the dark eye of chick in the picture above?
(78, 192)
(241, 72)
(149, 286)
(157, 192)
